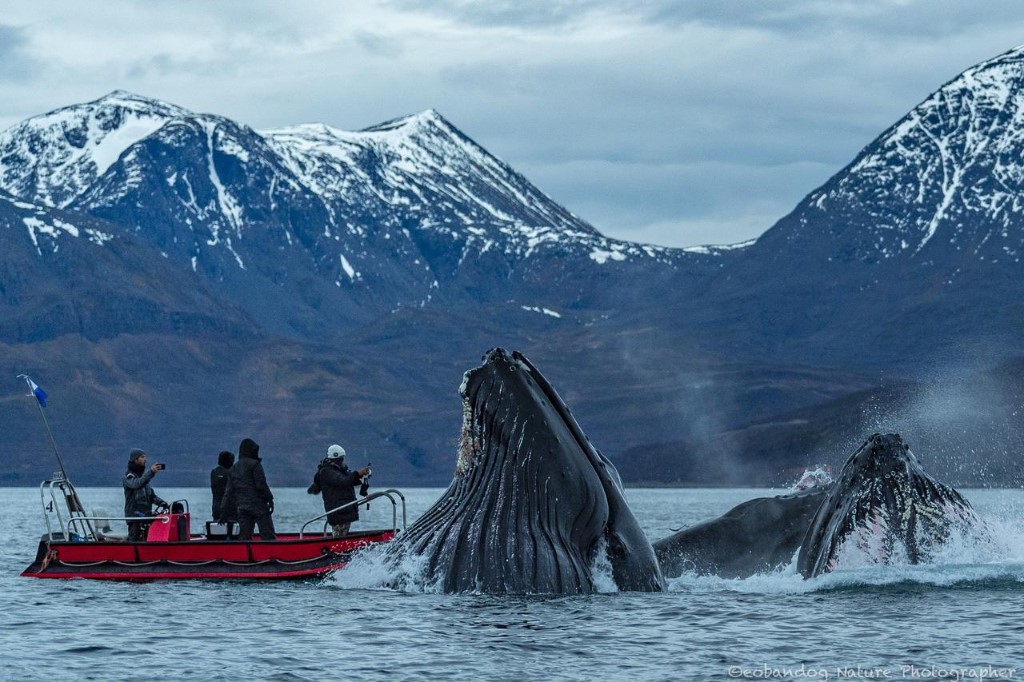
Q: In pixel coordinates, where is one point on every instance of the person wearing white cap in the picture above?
(337, 483)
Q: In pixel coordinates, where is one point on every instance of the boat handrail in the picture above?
(69, 499)
(355, 503)
(164, 518)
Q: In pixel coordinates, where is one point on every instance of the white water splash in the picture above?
(373, 568)
(973, 552)
(604, 581)
(816, 478)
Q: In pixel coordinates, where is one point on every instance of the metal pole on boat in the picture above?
(73, 494)
(42, 414)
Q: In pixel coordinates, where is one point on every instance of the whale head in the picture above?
(885, 503)
(533, 506)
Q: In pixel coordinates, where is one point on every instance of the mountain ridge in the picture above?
(359, 274)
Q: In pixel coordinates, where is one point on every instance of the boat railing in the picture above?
(147, 519)
(175, 507)
(389, 493)
(68, 500)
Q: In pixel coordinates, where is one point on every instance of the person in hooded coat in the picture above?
(219, 483)
(337, 483)
(247, 490)
(139, 497)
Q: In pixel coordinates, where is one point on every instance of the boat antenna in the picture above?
(73, 501)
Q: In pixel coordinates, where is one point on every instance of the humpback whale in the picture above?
(533, 506)
(883, 502)
(757, 536)
(886, 504)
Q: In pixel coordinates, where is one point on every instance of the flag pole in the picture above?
(42, 414)
(73, 494)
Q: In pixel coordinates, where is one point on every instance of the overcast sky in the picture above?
(674, 123)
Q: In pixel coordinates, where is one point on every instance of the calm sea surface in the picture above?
(962, 618)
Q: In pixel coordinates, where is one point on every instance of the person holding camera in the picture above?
(338, 484)
(139, 498)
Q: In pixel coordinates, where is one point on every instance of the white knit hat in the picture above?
(335, 452)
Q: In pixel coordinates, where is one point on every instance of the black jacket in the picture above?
(338, 484)
(139, 497)
(218, 485)
(247, 487)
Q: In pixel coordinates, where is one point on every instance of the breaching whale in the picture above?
(884, 502)
(533, 506)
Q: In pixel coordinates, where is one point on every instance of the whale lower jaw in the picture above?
(906, 533)
(892, 513)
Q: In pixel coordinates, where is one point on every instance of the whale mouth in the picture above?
(508, 391)
(885, 507)
(532, 503)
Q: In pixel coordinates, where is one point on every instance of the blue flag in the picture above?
(39, 393)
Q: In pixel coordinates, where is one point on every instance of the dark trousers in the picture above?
(137, 530)
(247, 519)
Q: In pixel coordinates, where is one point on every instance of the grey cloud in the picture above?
(902, 18)
(507, 13)
(920, 18)
(16, 64)
(379, 44)
(169, 65)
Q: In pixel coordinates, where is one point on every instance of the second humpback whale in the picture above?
(757, 536)
(887, 506)
(883, 503)
(533, 507)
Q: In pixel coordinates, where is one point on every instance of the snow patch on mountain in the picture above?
(542, 310)
(52, 158)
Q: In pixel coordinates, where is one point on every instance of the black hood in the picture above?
(226, 459)
(248, 449)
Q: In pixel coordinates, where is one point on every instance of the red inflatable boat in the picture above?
(80, 546)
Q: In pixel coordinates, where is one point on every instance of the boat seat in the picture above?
(103, 530)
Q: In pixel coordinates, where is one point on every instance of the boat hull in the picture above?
(287, 557)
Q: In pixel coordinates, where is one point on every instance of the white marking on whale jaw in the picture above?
(909, 531)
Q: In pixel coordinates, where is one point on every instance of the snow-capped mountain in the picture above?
(918, 242)
(403, 166)
(325, 226)
(944, 183)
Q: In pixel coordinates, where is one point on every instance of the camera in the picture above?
(365, 487)
(160, 466)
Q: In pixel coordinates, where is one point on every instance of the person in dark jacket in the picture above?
(338, 484)
(219, 483)
(247, 490)
(139, 497)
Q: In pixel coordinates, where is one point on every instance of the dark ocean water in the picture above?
(960, 618)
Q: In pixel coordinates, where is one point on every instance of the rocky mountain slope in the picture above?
(180, 280)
